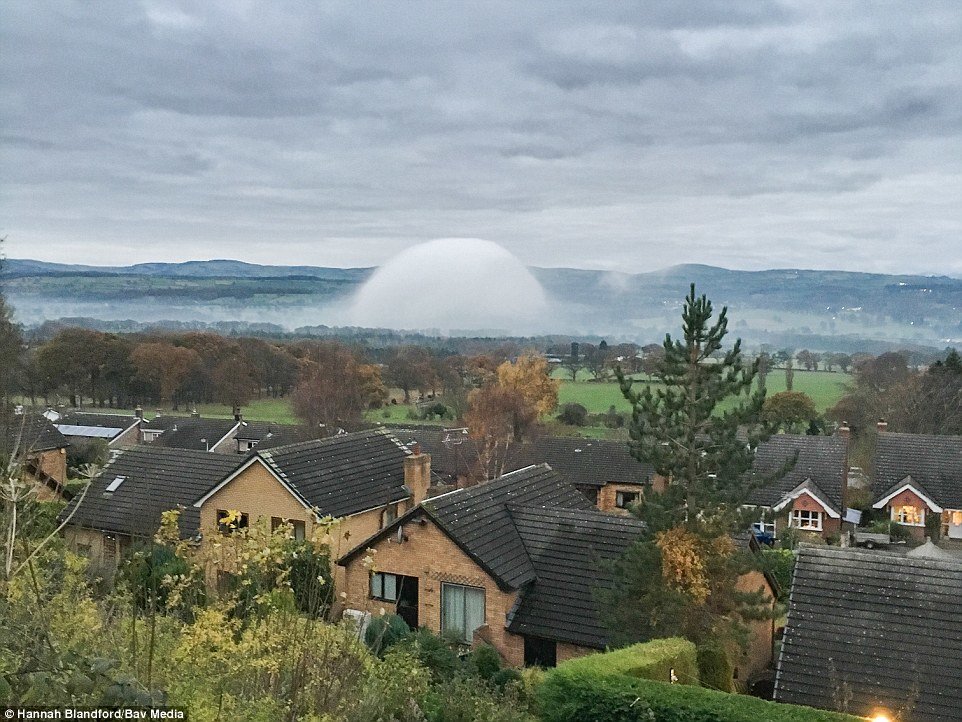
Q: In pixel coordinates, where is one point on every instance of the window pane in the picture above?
(376, 585)
(390, 587)
(299, 531)
(452, 609)
(473, 611)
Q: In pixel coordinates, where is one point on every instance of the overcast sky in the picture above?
(628, 136)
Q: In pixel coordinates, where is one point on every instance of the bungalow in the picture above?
(811, 496)
(513, 562)
(603, 470)
(875, 635)
(918, 481)
(193, 432)
(41, 448)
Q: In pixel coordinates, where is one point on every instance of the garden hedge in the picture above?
(579, 694)
(651, 660)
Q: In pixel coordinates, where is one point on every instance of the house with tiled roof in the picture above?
(513, 562)
(41, 449)
(603, 470)
(194, 432)
(117, 429)
(877, 635)
(124, 502)
(365, 479)
(801, 483)
(917, 480)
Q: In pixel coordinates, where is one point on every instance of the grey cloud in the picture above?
(626, 136)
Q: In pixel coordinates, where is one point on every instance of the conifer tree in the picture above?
(682, 427)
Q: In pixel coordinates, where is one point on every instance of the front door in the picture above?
(407, 600)
(955, 524)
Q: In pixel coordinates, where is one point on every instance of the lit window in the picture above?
(462, 610)
(623, 499)
(806, 520)
(384, 586)
(957, 518)
(908, 515)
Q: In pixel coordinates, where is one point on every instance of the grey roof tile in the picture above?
(823, 459)
(156, 479)
(933, 462)
(343, 474)
(881, 630)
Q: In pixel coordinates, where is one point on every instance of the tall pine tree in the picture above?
(699, 428)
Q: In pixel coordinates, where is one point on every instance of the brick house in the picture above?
(366, 479)
(918, 482)
(603, 470)
(811, 497)
(513, 562)
(41, 448)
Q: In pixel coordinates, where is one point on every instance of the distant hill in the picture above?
(217, 268)
(835, 310)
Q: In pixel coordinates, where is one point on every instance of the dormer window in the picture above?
(624, 499)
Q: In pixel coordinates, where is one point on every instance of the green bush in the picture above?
(434, 654)
(573, 414)
(780, 563)
(715, 669)
(310, 578)
(384, 632)
(577, 694)
(147, 574)
(650, 660)
(464, 699)
(484, 662)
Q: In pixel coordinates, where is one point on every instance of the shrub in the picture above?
(573, 414)
(715, 669)
(780, 563)
(650, 660)
(484, 662)
(578, 694)
(87, 451)
(384, 632)
(434, 654)
(147, 574)
(310, 579)
(463, 699)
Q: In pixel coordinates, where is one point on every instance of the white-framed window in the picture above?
(806, 520)
(908, 515)
(623, 499)
(462, 610)
(384, 586)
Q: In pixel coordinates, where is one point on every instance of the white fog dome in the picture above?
(450, 283)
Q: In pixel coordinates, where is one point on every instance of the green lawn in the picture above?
(824, 388)
(266, 409)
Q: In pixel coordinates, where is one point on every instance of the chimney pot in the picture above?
(882, 424)
(139, 413)
(844, 430)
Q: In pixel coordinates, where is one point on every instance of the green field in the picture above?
(825, 389)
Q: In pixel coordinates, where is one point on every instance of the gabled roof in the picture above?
(584, 462)
(268, 434)
(907, 484)
(933, 462)
(569, 549)
(479, 520)
(340, 475)
(880, 630)
(29, 433)
(155, 479)
(811, 489)
(196, 433)
(821, 460)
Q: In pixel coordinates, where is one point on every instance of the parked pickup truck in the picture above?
(870, 541)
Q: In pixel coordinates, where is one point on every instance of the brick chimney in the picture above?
(845, 433)
(882, 425)
(238, 416)
(139, 412)
(417, 474)
(844, 430)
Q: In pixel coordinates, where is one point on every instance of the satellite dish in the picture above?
(400, 534)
